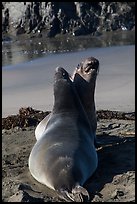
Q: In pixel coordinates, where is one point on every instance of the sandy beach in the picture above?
(113, 181)
(31, 83)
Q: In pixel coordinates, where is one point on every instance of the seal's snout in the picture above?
(91, 63)
(59, 70)
(61, 73)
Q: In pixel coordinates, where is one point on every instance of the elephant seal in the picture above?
(84, 79)
(65, 156)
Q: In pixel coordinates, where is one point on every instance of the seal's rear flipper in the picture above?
(78, 194)
(66, 196)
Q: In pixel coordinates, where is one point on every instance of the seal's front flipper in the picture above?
(41, 127)
(80, 194)
(66, 196)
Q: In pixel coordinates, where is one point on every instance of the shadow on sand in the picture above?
(115, 156)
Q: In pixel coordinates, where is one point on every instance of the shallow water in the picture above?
(27, 80)
(23, 50)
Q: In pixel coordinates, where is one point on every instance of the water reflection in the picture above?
(7, 53)
(25, 50)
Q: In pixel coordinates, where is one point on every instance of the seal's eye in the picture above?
(79, 66)
(63, 74)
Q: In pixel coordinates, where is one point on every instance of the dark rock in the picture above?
(5, 21)
(28, 12)
(36, 8)
(68, 9)
(94, 16)
(80, 31)
(54, 27)
(20, 31)
(2, 6)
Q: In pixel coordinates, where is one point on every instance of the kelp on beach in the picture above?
(28, 117)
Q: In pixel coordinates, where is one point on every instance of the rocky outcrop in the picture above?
(74, 18)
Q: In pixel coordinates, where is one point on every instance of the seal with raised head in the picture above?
(84, 79)
(65, 156)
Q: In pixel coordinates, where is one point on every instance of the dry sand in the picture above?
(113, 181)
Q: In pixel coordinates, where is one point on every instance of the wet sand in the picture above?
(31, 83)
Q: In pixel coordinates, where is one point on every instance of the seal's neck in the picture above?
(64, 97)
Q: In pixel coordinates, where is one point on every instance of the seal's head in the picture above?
(61, 81)
(90, 64)
(60, 74)
(88, 69)
(84, 79)
(64, 95)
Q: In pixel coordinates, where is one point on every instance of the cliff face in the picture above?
(75, 18)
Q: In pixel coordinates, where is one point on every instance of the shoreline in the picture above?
(28, 117)
(31, 83)
(39, 47)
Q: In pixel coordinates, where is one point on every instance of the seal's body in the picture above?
(64, 156)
